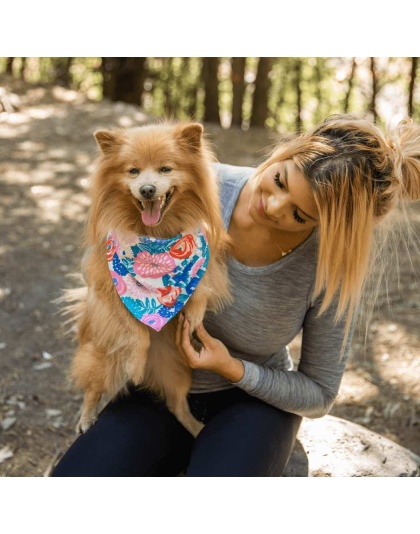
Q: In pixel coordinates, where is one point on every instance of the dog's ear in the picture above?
(191, 134)
(107, 140)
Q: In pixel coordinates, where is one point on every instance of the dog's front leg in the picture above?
(137, 352)
(196, 307)
(91, 401)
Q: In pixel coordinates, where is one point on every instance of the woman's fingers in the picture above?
(186, 346)
(205, 338)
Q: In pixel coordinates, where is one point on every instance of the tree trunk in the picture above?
(412, 86)
(62, 71)
(318, 89)
(350, 85)
(22, 69)
(372, 107)
(123, 78)
(9, 67)
(109, 77)
(262, 85)
(238, 89)
(211, 89)
(191, 90)
(169, 107)
(298, 79)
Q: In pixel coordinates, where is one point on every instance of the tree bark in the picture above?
(238, 89)
(211, 89)
(109, 77)
(350, 85)
(210, 70)
(9, 66)
(414, 61)
(262, 85)
(298, 79)
(123, 78)
(372, 107)
(190, 90)
(318, 89)
(62, 71)
(22, 69)
(169, 105)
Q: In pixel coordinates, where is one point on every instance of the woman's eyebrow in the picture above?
(286, 179)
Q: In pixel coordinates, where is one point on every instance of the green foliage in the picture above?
(173, 87)
(86, 76)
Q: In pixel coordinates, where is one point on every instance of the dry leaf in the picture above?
(5, 454)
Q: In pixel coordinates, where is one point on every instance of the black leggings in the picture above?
(136, 435)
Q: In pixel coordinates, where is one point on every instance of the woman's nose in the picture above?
(276, 205)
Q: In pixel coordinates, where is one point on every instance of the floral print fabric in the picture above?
(155, 277)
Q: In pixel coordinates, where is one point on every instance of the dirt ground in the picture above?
(46, 152)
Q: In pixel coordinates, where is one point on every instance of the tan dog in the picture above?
(154, 181)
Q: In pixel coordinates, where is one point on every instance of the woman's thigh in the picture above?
(134, 435)
(249, 438)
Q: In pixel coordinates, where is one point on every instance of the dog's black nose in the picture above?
(148, 191)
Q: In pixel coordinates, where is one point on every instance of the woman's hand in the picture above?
(213, 355)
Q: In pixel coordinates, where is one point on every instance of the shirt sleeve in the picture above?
(311, 390)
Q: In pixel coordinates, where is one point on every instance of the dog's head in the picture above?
(156, 174)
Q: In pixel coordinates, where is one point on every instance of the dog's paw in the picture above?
(197, 345)
(194, 318)
(195, 428)
(84, 424)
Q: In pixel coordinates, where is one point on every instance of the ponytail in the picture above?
(405, 143)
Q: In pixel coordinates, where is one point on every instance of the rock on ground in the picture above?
(334, 447)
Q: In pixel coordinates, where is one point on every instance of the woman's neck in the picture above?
(255, 244)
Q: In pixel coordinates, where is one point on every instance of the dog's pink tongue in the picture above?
(151, 213)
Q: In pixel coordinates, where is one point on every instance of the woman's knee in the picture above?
(246, 439)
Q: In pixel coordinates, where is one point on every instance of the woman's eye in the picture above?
(134, 170)
(277, 180)
(298, 219)
(165, 169)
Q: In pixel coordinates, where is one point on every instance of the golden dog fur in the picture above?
(114, 347)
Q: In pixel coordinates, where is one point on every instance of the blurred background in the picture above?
(283, 94)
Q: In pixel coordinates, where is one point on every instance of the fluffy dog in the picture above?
(154, 187)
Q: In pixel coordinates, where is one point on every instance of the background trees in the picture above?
(283, 94)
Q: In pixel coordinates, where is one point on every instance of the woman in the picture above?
(302, 227)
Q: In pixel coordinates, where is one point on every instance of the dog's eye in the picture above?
(133, 170)
(165, 169)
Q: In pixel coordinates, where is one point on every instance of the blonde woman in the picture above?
(304, 227)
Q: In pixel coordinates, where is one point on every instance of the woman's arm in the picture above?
(310, 391)
(213, 356)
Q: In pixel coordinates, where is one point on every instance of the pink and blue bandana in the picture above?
(155, 277)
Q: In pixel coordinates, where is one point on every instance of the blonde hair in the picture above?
(358, 176)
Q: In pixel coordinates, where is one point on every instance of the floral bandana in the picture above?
(156, 277)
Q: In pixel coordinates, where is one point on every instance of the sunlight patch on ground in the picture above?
(3, 251)
(58, 153)
(56, 205)
(30, 146)
(357, 386)
(67, 95)
(13, 176)
(11, 129)
(42, 113)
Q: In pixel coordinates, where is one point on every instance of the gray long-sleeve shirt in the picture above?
(271, 306)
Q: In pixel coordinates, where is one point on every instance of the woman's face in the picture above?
(282, 199)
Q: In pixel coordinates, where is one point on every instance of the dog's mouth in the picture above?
(152, 210)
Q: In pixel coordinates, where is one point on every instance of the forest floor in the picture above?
(46, 153)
